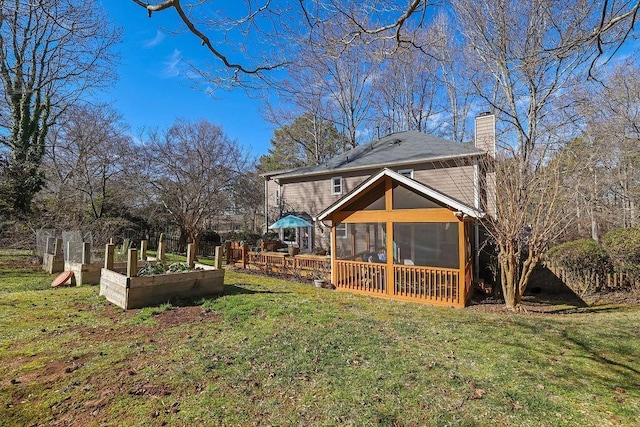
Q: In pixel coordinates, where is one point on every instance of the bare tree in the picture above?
(406, 92)
(51, 53)
(517, 45)
(608, 186)
(194, 170)
(87, 154)
(455, 76)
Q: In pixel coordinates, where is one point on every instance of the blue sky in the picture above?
(154, 87)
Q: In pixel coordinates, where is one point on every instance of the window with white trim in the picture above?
(276, 197)
(406, 172)
(336, 185)
(341, 231)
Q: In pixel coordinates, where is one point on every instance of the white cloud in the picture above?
(173, 65)
(156, 40)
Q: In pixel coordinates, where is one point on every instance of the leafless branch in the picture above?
(205, 40)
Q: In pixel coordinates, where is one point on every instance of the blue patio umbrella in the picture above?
(289, 221)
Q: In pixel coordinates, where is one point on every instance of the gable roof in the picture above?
(396, 149)
(423, 189)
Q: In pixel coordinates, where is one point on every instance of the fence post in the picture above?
(161, 250)
(109, 251)
(191, 255)
(144, 244)
(86, 253)
(245, 255)
(57, 250)
(50, 244)
(132, 263)
(218, 257)
(227, 247)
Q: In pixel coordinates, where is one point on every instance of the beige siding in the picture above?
(313, 194)
(486, 133)
(456, 182)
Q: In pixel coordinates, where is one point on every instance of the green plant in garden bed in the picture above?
(151, 269)
(271, 351)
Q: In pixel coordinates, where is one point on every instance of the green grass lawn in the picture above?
(272, 352)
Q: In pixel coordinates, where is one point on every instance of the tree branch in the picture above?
(205, 41)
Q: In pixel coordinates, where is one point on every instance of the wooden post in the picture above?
(218, 259)
(161, 250)
(227, 247)
(57, 250)
(245, 255)
(191, 255)
(109, 252)
(50, 245)
(334, 255)
(462, 259)
(143, 249)
(86, 253)
(132, 263)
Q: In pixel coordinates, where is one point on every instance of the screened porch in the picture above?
(396, 238)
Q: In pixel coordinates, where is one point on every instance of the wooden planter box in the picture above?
(137, 292)
(89, 274)
(53, 263)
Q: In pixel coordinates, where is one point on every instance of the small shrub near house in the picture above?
(245, 236)
(210, 236)
(623, 247)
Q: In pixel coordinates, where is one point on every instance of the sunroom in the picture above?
(393, 237)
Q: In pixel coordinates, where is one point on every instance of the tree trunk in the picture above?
(508, 275)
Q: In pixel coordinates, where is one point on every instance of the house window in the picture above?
(336, 185)
(406, 172)
(341, 231)
(276, 197)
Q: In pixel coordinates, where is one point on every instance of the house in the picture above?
(400, 214)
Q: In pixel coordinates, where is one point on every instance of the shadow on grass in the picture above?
(229, 290)
(597, 355)
(241, 290)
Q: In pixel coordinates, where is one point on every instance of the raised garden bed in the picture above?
(138, 292)
(128, 289)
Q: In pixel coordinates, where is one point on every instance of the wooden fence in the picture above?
(584, 282)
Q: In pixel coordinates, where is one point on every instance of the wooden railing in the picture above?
(427, 283)
(424, 284)
(317, 266)
(361, 276)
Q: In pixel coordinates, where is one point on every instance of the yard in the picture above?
(274, 352)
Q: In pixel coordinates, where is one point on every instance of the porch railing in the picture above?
(361, 276)
(425, 284)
